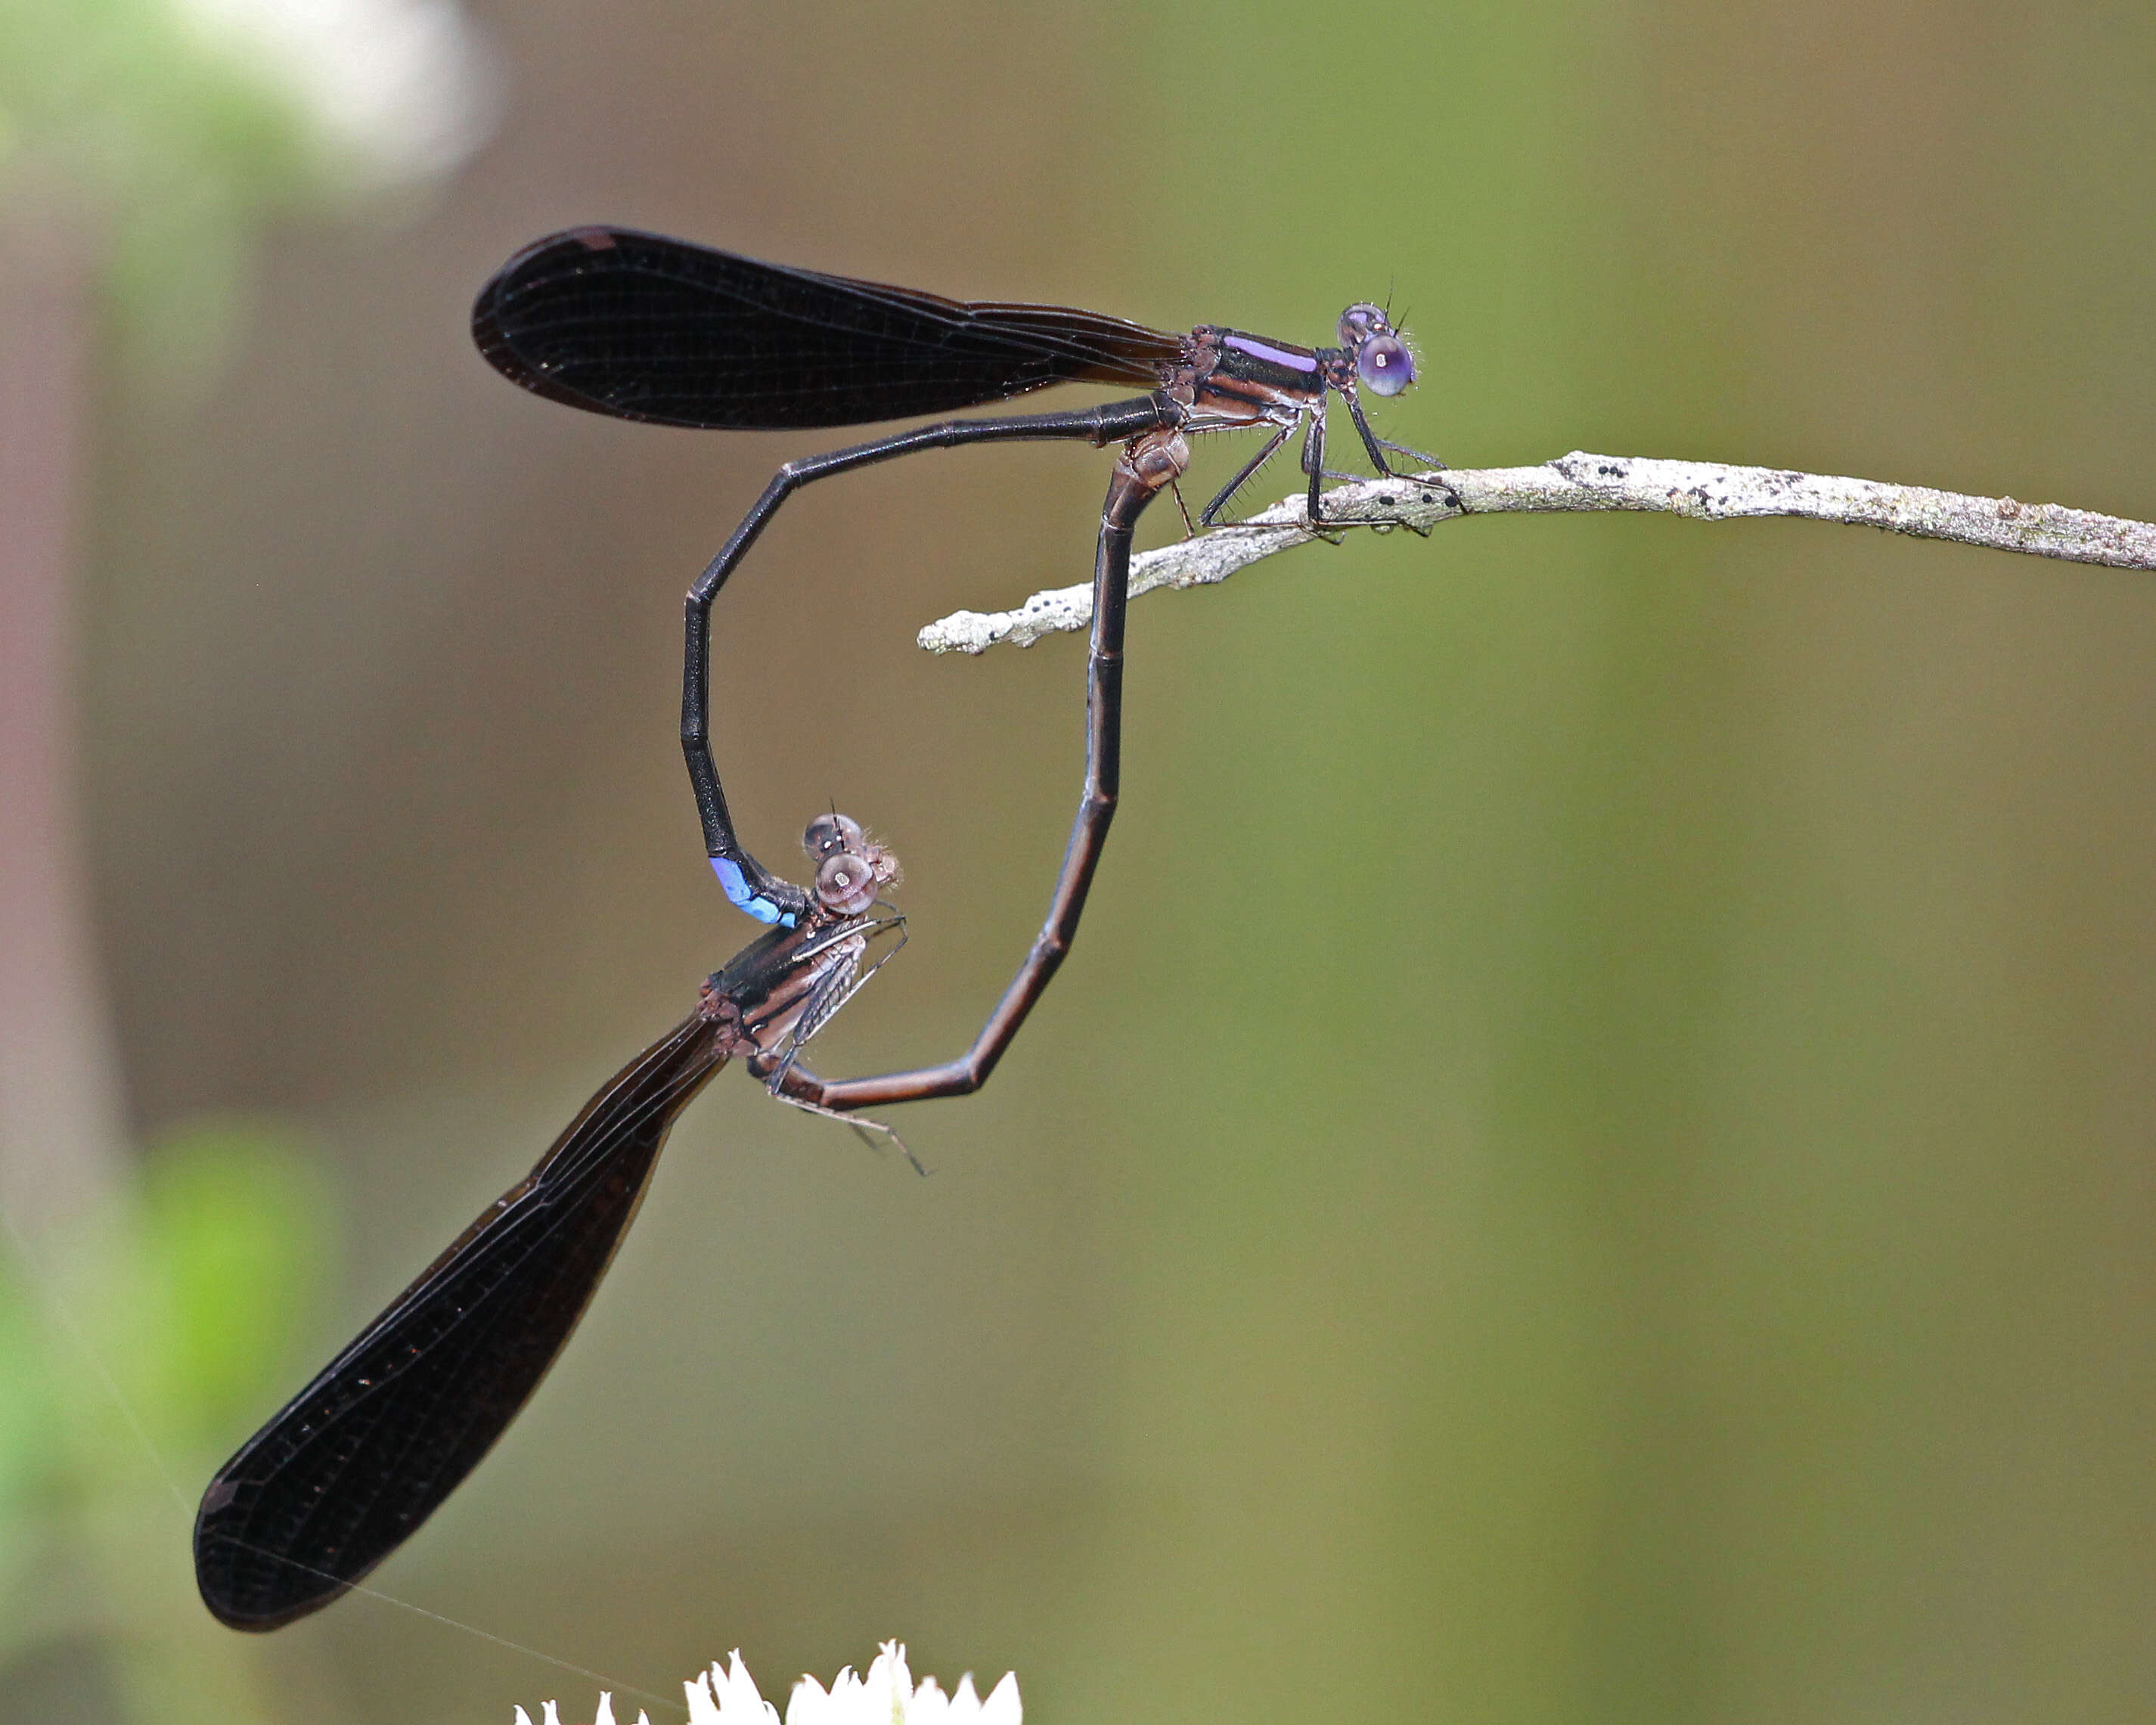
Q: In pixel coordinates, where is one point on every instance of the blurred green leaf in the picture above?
(163, 148)
(134, 103)
(169, 137)
(125, 1365)
(29, 1431)
(236, 1231)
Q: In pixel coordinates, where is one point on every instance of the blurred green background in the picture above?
(1593, 1159)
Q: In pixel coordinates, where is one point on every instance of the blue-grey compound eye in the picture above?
(830, 833)
(846, 883)
(1384, 364)
(1358, 323)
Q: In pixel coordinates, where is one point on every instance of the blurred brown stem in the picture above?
(60, 1128)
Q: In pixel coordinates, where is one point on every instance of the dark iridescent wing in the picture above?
(840, 980)
(362, 1455)
(644, 327)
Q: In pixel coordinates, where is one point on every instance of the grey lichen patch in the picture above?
(1575, 483)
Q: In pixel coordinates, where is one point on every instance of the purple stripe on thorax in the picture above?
(1274, 355)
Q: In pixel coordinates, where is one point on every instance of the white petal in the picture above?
(809, 1704)
(888, 1686)
(849, 1700)
(523, 1717)
(740, 1702)
(702, 1709)
(931, 1705)
(1002, 1706)
(547, 1716)
(605, 1714)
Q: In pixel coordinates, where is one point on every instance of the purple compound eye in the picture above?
(846, 883)
(1384, 364)
(1358, 323)
(831, 833)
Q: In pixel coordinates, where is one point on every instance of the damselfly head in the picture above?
(1383, 361)
(851, 868)
(845, 883)
(1358, 323)
(833, 832)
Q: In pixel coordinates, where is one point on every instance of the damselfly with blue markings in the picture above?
(643, 327)
(355, 1462)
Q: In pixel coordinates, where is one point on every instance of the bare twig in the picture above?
(1704, 490)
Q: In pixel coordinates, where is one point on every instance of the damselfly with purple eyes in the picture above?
(360, 1457)
(647, 328)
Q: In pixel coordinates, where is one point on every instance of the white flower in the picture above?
(406, 87)
(886, 1697)
(726, 1694)
(605, 1716)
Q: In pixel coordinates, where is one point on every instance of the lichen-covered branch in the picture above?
(1704, 490)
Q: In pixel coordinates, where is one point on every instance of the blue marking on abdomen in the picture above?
(735, 884)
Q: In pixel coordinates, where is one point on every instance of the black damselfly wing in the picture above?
(362, 1455)
(644, 327)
